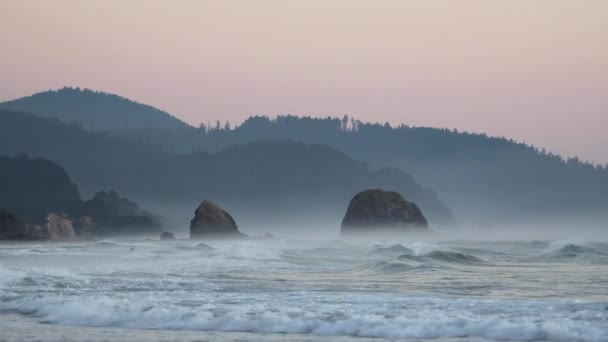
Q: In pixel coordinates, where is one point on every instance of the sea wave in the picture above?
(563, 251)
(454, 257)
(197, 247)
(144, 314)
(437, 259)
(392, 250)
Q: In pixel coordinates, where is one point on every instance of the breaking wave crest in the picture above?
(563, 251)
(409, 262)
(260, 318)
(392, 250)
(411, 290)
(454, 257)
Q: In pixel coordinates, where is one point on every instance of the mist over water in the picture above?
(309, 286)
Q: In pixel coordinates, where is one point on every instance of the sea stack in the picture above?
(377, 210)
(167, 236)
(210, 220)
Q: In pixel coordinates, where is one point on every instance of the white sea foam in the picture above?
(417, 322)
(407, 290)
(9, 276)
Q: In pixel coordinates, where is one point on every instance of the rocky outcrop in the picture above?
(11, 228)
(32, 187)
(111, 204)
(382, 210)
(59, 228)
(212, 221)
(111, 214)
(167, 236)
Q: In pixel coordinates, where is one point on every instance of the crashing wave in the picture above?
(391, 250)
(564, 251)
(111, 312)
(454, 257)
(198, 247)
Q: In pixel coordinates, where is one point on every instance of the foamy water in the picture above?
(298, 290)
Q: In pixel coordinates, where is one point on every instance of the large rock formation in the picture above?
(382, 210)
(11, 228)
(167, 236)
(59, 228)
(31, 188)
(111, 214)
(56, 227)
(212, 221)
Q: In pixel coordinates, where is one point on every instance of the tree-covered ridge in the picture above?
(274, 171)
(441, 142)
(475, 174)
(95, 110)
(484, 178)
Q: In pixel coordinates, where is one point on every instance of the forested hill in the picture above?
(482, 179)
(487, 179)
(95, 110)
(264, 177)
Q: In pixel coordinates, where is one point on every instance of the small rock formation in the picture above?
(11, 228)
(166, 236)
(59, 228)
(382, 210)
(212, 221)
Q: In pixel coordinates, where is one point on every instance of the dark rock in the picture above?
(114, 215)
(212, 221)
(382, 210)
(110, 204)
(165, 236)
(31, 188)
(11, 228)
(57, 227)
(84, 227)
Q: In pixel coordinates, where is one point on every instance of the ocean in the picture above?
(299, 290)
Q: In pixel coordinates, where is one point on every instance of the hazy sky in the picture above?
(533, 70)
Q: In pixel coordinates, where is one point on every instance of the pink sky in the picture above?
(536, 71)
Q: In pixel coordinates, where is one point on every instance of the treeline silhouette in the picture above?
(490, 178)
(475, 174)
(481, 178)
(260, 173)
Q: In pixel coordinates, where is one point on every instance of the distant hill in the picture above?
(95, 110)
(266, 178)
(483, 179)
